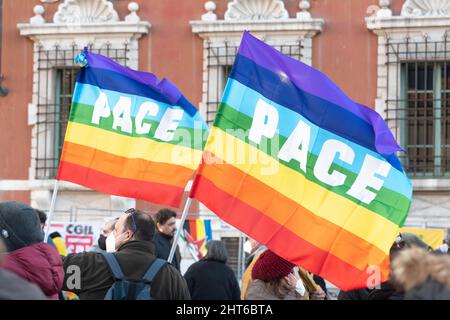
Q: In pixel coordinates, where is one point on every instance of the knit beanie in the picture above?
(19, 225)
(269, 266)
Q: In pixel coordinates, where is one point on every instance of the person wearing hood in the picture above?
(29, 257)
(13, 287)
(422, 275)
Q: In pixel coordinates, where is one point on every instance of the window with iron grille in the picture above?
(418, 104)
(220, 60)
(56, 79)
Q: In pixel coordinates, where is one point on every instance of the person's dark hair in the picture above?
(42, 215)
(216, 251)
(163, 215)
(141, 224)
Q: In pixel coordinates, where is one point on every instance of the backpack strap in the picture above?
(113, 264)
(154, 269)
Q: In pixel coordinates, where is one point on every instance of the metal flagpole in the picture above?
(52, 210)
(239, 263)
(177, 234)
(243, 235)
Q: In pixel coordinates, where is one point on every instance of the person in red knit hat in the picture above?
(274, 278)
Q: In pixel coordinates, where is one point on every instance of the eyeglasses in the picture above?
(131, 213)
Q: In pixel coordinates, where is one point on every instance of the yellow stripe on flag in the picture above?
(201, 234)
(132, 147)
(326, 204)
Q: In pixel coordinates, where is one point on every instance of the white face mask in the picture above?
(300, 288)
(111, 243)
(248, 247)
(444, 248)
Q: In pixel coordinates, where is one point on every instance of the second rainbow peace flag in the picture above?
(196, 233)
(130, 134)
(295, 164)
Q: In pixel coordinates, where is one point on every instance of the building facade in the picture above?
(390, 55)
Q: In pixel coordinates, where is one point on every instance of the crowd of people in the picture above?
(130, 262)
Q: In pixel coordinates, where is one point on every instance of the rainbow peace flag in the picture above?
(295, 164)
(130, 134)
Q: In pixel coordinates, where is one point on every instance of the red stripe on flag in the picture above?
(193, 228)
(282, 241)
(163, 194)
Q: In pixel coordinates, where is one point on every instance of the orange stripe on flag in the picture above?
(283, 241)
(127, 168)
(145, 190)
(305, 224)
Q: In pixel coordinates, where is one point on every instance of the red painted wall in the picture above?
(345, 51)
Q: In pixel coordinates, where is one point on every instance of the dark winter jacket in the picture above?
(213, 280)
(358, 294)
(423, 275)
(134, 258)
(40, 264)
(429, 290)
(14, 287)
(386, 291)
(163, 244)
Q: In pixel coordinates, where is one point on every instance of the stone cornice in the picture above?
(105, 30)
(309, 26)
(381, 25)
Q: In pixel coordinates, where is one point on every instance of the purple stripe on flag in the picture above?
(315, 82)
(166, 87)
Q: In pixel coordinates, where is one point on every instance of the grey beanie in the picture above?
(19, 225)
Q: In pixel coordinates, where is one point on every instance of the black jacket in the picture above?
(213, 280)
(429, 290)
(387, 291)
(134, 258)
(163, 245)
(358, 294)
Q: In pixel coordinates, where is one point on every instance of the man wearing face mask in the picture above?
(163, 239)
(135, 252)
(106, 231)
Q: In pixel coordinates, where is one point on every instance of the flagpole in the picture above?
(177, 234)
(52, 210)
